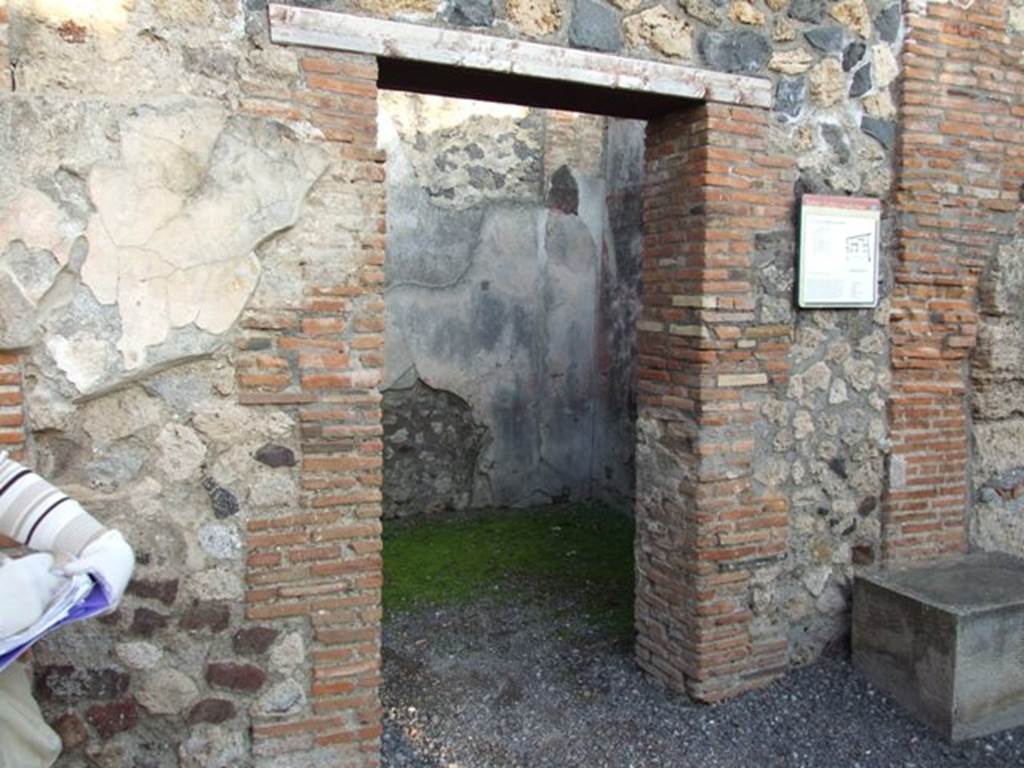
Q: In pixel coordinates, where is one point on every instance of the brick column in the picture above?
(959, 176)
(12, 406)
(322, 360)
(703, 529)
(13, 430)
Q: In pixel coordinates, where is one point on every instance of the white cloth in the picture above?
(26, 741)
(109, 560)
(26, 586)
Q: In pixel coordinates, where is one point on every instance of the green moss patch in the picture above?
(584, 551)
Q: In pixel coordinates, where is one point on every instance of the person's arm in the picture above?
(36, 514)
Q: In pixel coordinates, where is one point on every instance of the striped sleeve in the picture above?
(35, 513)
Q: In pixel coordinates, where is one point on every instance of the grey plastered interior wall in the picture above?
(512, 291)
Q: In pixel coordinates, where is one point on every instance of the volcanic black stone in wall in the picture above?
(431, 448)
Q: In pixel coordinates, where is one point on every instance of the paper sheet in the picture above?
(79, 598)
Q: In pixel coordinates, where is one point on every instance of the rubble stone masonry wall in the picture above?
(192, 240)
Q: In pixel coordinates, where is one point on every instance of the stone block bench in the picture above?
(946, 640)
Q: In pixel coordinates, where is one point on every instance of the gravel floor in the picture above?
(491, 685)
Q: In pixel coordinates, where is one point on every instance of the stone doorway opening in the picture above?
(512, 293)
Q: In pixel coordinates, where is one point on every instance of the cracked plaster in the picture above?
(206, 190)
(162, 228)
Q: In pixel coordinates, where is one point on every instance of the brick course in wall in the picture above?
(12, 412)
(323, 358)
(12, 407)
(703, 530)
(958, 197)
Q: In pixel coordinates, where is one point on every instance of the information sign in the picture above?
(838, 263)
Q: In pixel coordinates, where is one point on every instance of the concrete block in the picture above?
(946, 640)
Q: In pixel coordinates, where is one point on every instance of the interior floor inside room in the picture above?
(508, 643)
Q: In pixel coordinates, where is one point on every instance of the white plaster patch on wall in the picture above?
(84, 359)
(38, 222)
(106, 15)
(178, 218)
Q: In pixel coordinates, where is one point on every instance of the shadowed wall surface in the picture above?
(511, 296)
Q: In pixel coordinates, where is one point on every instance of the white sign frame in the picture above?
(839, 252)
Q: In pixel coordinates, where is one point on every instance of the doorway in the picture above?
(705, 531)
(509, 404)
